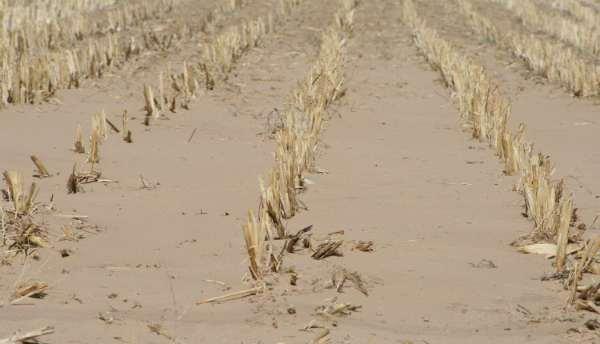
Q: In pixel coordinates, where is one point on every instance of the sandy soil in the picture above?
(401, 173)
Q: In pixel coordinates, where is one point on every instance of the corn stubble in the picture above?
(555, 61)
(42, 171)
(99, 133)
(44, 49)
(297, 142)
(178, 90)
(220, 56)
(19, 231)
(576, 9)
(580, 34)
(297, 138)
(486, 112)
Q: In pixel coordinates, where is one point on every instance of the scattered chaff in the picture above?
(107, 317)
(158, 330)
(27, 337)
(340, 276)
(77, 178)
(146, 185)
(112, 126)
(294, 239)
(484, 264)
(222, 284)
(328, 249)
(192, 135)
(89, 177)
(231, 296)
(73, 216)
(41, 168)
(332, 308)
(364, 246)
(311, 324)
(34, 289)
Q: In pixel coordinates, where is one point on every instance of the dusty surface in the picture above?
(402, 174)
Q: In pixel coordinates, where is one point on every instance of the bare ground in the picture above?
(401, 173)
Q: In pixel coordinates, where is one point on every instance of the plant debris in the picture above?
(107, 317)
(364, 246)
(35, 289)
(328, 249)
(158, 330)
(322, 338)
(333, 308)
(27, 337)
(294, 239)
(340, 276)
(592, 324)
(77, 178)
(231, 296)
(42, 171)
(484, 264)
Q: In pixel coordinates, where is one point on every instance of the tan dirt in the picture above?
(401, 173)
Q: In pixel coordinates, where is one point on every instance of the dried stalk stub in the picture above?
(42, 170)
(23, 204)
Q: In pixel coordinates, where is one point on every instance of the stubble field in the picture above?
(299, 171)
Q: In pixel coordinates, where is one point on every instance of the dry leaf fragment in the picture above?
(311, 324)
(294, 239)
(544, 249)
(585, 305)
(28, 337)
(106, 317)
(328, 249)
(159, 331)
(231, 296)
(334, 308)
(364, 246)
(34, 289)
